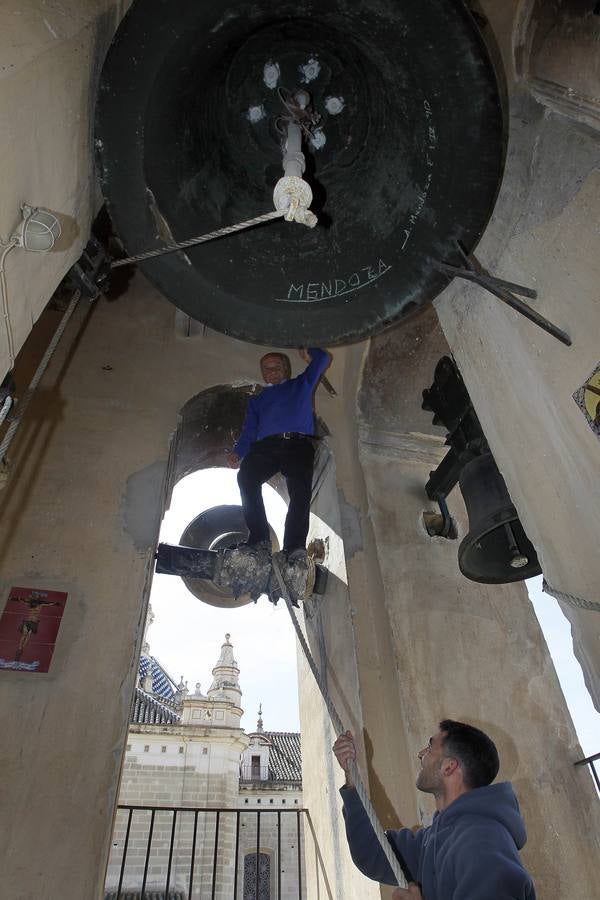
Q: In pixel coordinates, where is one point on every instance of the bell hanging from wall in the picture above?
(496, 549)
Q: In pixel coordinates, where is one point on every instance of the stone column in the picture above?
(520, 379)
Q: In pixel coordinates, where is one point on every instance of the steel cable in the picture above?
(200, 239)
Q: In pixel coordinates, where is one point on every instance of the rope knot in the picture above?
(293, 196)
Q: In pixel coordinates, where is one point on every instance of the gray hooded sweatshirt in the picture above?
(469, 852)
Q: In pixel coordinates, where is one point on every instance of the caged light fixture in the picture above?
(38, 231)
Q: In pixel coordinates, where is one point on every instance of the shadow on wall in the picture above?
(35, 434)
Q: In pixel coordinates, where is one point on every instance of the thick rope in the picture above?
(339, 728)
(200, 239)
(577, 602)
(24, 402)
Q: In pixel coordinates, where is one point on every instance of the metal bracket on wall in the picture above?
(440, 524)
(89, 274)
(503, 290)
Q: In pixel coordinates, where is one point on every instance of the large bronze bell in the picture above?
(404, 155)
(217, 528)
(496, 549)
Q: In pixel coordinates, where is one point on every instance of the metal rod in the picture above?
(124, 854)
(257, 848)
(172, 844)
(515, 288)
(26, 398)
(278, 854)
(237, 851)
(473, 265)
(521, 307)
(216, 847)
(492, 285)
(498, 287)
(191, 881)
(479, 275)
(588, 759)
(195, 808)
(299, 854)
(446, 517)
(146, 864)
(293, 157)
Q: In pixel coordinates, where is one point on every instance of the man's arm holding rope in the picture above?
(364, 846)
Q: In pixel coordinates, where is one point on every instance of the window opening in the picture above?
(264, 876)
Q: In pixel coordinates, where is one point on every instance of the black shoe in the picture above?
(294, 556)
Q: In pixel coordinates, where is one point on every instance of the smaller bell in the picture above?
(218, 528)
(496, 549)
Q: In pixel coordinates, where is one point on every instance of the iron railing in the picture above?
(184, 853)
(591, 762)
(254, 773)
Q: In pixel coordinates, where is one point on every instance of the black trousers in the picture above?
(294, 458)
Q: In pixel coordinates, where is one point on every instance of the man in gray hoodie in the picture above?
(471, 849)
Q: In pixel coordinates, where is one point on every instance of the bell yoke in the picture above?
(278, 436)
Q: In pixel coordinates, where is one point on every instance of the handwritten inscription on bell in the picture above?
(314, 291)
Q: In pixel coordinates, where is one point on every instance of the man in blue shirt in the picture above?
(277, 437)
(471, 849)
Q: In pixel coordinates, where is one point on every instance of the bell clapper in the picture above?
(292, 193)
(517, 559)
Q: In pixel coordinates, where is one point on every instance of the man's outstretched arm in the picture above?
(317, 360)
(364, 845)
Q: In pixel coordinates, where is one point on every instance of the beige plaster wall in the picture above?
(51, 54)
(81, 513)
(475, 653)
(461, 650)
(544, 233)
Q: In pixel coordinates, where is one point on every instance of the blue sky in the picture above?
(557, 631)
(187, 635)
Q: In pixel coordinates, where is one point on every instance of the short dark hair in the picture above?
(475, 751)
(284, 359)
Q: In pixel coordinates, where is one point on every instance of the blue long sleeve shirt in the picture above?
(469, 852)
(283, 407)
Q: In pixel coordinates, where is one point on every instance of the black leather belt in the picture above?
(289, 435)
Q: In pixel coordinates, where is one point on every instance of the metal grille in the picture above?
(148, 895)
(257, 881)
(183, 853)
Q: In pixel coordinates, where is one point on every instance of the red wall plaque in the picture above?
(29, 627)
